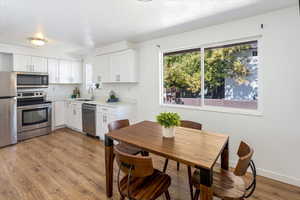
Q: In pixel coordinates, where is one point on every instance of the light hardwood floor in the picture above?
(70, 166)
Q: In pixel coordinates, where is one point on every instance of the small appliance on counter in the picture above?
(33, 114)
(112, 97)
(8, 109)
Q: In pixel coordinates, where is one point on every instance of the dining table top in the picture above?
(197, 148)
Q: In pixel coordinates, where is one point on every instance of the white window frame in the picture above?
(203, 107)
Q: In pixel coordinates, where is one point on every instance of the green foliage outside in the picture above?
(182, 71)
(168, 119)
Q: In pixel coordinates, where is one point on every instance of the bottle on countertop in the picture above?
(76, 93)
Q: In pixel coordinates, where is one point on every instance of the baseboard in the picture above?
(273, 175)
(279, 177)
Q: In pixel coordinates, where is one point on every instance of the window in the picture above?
(228, 77)
(88, 76)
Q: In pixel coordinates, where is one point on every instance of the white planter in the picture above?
(168, 132)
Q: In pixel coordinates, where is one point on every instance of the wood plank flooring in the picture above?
(70, 166)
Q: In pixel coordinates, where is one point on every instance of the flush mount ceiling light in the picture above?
(37, 41)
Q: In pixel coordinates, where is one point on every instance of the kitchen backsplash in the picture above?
(59, 92)
(125, 92)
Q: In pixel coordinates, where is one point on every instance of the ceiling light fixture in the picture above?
(37, 41)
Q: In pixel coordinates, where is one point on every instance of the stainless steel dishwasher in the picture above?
(89, 119)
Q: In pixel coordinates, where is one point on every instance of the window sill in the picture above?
(235, 111)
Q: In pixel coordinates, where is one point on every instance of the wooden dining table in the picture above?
(199, 149)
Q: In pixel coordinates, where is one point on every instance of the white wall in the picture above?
(275, 136)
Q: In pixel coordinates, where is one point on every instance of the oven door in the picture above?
(26, 80)
(34, 117)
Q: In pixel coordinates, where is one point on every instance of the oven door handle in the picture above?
(34, 107)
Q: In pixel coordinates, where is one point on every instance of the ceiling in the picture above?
(92, 23)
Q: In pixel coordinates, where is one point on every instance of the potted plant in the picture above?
(168, 121)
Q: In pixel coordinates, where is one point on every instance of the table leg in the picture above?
(225, 157)
(109, 165)
(206, 181)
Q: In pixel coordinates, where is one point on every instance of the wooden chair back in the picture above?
(115, 125)
(190, 124)
(136, 166)
(245, 154)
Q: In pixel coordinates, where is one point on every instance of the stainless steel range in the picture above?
(34, 114)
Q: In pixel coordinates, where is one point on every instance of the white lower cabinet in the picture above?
(69, 114)
(105, 115)
(59, 113)
(73, 115)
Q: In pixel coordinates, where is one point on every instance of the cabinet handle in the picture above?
(118, 77)
(104, 119)
(74, 112)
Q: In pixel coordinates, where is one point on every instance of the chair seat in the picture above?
(147, 188)
(226, 185)
(128, 149)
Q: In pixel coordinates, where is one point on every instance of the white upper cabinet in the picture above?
(76, 72)
(22, 63)
(120, 67)
(39, 64)
(123, 67)
(53, 68)
(101, 69)
(65, 71)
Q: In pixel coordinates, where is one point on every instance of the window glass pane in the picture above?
(182, 82)
(231, 78)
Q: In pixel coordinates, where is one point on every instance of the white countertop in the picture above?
(99, 102)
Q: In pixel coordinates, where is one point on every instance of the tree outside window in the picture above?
(230, 76)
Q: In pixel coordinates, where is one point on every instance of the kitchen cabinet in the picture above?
(65, 71)
(39, 64)
(74, 115)
(123, 67)
(53, 69)
(103, 118)
(76, 72)
(59, 113)
(25, 63)
(101, 71)
(22, 63)
(120, 67)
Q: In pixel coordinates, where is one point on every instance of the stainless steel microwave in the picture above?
(32, 80)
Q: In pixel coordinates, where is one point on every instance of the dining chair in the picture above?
(192, 125)
(229, 185)
(115, 125)
(141, 181)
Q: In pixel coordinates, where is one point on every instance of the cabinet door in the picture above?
(22, 63)
(101, 69)
(77, 114)
(53, 68)
(59, 113)
(39, 64)
(115, 67)
(123, 66)
(65, 71)
(76, 72)
(68, 114)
